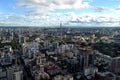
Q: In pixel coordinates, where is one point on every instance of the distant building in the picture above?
(55, 45)
(73, 65)
(46, 44)
(22, 39)
(6, 55)
(30, 49)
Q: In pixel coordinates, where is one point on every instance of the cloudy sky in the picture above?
(52, 12)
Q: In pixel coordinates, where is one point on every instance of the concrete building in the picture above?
(6, 59)
(73, 65)
(58, 77)
(30, 49)
(105, 76)
(18, 75)
(40, 74)
(46, 44)
(11, 73)
(3, 74)
(65, 77)
(55, 45)
(115, 65)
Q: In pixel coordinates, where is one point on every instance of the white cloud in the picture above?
(43, 12)
(117, 10)
(42, 6)
(44, 9)
(71, 15)
(86, 19)
(97, 19)
(101, 9)
(8, 23)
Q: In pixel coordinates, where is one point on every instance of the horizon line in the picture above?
(59, 26)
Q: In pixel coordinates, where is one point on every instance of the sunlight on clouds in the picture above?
(52, 12)
(42, 6)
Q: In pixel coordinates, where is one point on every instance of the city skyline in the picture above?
(51, 13)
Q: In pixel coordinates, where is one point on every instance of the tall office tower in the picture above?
(12, 35)
(73, 65)
(86, 58)
(89, 57)
(81, 62)
(55, 45)
(21, 39)
(87, 53)
(61, 30)
(88, 68)
(25, 38)
(115, 65)
(91, 60)
(46, 44)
